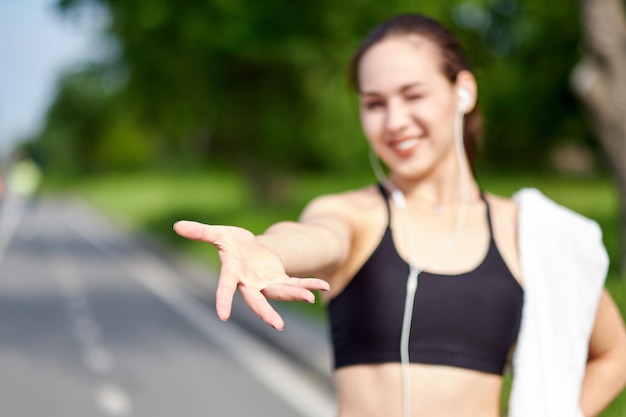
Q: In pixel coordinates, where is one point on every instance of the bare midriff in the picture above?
(442, 391)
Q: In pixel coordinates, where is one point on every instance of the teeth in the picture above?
(406, 144)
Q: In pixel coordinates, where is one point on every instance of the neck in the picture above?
(438, 191)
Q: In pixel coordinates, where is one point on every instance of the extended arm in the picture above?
(605, 376)
(271, 265)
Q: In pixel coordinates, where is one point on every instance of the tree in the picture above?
(255, 85)
(600, 82)
(90, 127)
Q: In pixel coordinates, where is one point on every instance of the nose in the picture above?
(397, 118)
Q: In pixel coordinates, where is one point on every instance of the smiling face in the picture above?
(408, 106)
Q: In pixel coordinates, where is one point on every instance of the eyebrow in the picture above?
(402, 89)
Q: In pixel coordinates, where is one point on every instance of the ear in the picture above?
(467, 88)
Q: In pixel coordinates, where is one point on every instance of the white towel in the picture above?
(564, 264)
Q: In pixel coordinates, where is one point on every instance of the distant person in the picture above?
(24, 177)
(431, 282)
(19, 186)
(2, 183)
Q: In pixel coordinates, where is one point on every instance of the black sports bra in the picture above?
(469, 320)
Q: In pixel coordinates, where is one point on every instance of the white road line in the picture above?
(86, 330)
(268, 366)
(110, 399)
(113, 401)
(98, 359)
(69, 280)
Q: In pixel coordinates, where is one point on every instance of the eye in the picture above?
(414, 97)
(374, 104)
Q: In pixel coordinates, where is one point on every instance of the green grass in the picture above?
(152, 202)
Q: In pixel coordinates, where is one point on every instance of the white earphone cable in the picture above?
(414, 269)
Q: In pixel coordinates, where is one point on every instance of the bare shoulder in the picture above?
(504, 212)
(503, 215)
(503, 208)
(349, 205)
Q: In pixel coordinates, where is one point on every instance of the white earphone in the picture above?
(397, 196)
(465, 99)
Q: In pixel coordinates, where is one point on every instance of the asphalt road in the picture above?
(94, 323)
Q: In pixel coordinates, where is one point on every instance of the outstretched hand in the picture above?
(251, 267)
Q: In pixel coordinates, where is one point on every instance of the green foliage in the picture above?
(79, 113)
(90, 127)
(261, 86)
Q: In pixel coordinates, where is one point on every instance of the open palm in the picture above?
(251, 267)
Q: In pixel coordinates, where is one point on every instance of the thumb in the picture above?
(197, 231)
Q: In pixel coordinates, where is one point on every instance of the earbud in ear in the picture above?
(465, 98)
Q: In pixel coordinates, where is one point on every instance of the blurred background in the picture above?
(239, 111)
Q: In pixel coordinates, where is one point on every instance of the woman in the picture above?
(430, 282)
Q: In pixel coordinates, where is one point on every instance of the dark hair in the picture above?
(453, 60)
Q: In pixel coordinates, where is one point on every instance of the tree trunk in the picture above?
(599, 80)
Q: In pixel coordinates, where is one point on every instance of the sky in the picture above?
(36, 45)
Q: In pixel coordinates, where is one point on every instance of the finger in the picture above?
(309, 283)
(224, 297)
(282, 292)
(261, 307)
(197, 231)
